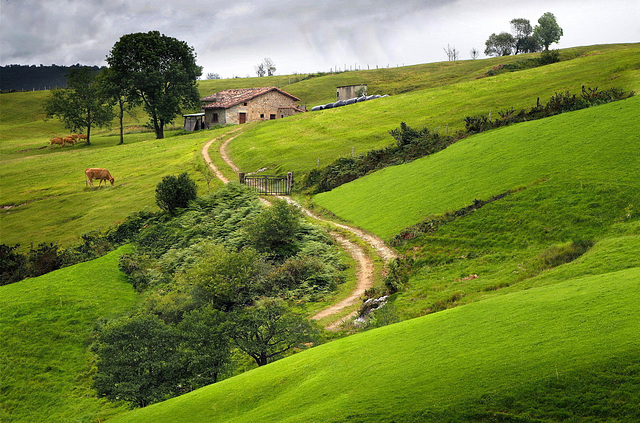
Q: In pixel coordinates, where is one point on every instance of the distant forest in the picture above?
(32, 77)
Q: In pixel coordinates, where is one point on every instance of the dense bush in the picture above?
(216, 276)
(410, 144)
(558, 103)
(174, 193)
(275, 230)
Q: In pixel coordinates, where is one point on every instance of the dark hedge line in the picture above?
(47, 257)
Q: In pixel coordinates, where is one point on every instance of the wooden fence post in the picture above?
(241, 177)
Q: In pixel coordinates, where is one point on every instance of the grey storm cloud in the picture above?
(231, 37)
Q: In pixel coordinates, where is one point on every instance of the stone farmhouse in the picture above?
(244, 105)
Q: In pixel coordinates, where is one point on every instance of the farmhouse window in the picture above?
(272, 117)
(261, 115)
(244, 104)
(214, 118)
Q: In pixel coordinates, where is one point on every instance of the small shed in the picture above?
(351, 91)
(193, 122)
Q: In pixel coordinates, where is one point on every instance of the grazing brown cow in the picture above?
(97, 173)
(68, 140)
(57, 141)
(82, 137)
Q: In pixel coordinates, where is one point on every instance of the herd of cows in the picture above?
(69, 139)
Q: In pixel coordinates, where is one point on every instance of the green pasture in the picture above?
(499, 356)
(575, 178)
(595, 145)
(46, 327)
(300, 142)
(50, 201)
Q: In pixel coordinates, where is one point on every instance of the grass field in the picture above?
(48, 194)
(459, 365)
(48, 201)
(46, 327)
(592, 146)
(298, 143)
(531, 300)
(576, 177)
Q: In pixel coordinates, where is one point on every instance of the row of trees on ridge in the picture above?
(524, 38)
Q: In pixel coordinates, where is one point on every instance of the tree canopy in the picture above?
(522, 31)
(547, 31)
(82, 104)
(158, 70)
(499, 44)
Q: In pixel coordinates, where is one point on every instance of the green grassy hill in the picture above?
(593, 147)
(46, 327)
(575, 193)
(446, 94)
(535, 293)
(564, 352)
(38, 182)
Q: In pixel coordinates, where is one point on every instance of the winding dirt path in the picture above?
(364, 263)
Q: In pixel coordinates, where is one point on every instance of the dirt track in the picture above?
(365, 266)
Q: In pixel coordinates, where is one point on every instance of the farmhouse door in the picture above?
(242, 117)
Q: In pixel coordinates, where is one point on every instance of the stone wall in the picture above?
(271, 105)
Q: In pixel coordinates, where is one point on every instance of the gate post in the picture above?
(289, 182)
(241, 177)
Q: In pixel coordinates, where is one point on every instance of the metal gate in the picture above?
(268, 184)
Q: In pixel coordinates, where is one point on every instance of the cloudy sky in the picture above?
(231, 37)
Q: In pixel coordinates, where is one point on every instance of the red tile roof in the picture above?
(229, 98)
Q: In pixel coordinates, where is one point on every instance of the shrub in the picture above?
(12, 264)
(174, 193)
(139, 360)
(275, 231)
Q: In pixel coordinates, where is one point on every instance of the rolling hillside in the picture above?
(547, 354)
(299, 143)
(36, 181)
(524, 310)
(594, 146)
(525, 329)
(46, 327)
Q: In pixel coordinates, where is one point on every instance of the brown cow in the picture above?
(68, 140)
(97, 173)
(82, 137)
(57, 140)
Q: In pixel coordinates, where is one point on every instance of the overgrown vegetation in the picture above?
(219, 276)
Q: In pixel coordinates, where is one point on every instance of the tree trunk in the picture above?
(121, 116)
(160, 133)
(88, 127)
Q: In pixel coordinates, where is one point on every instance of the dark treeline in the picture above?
(32, 77)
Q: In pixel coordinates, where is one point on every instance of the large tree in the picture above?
(82, 104)
(499, 44)
(547, 31)
(524, 42)
(158, 70)
(269, 329)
